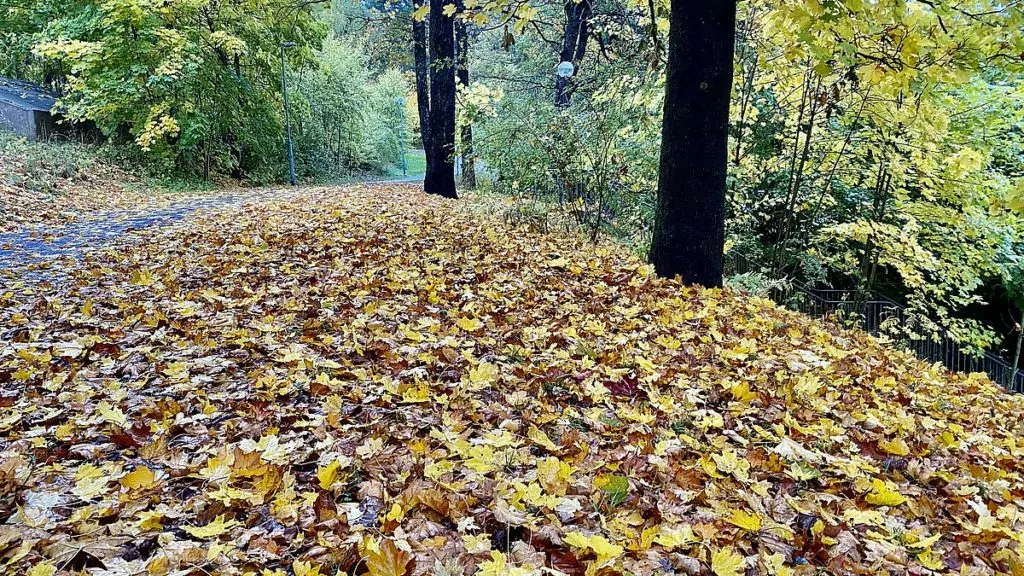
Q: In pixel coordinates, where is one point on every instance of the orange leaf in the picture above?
(387, 560)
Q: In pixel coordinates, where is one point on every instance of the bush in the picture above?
(344, 121)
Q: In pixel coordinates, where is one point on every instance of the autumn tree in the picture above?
(192, 83)
(689, 225)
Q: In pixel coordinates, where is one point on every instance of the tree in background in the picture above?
(466, 133)
(689, 224)
(421, 67)
(194, 84)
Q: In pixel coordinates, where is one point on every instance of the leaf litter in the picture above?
(377, 382)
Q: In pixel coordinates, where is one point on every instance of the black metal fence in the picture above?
(881, 316)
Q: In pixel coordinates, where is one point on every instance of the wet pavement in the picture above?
(35, 254)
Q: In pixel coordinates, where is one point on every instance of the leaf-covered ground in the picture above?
(374, 381)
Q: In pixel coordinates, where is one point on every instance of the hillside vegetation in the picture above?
(59, 182)
(374, 381)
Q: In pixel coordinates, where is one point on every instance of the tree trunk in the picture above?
(574, 44)
(689, 224)
(440, 178)
(422, 66)
(462, 42)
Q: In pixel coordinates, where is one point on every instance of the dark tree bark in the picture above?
(689, 224)
(462, 43)
(422, 67)
(440, 178)
(574, 44)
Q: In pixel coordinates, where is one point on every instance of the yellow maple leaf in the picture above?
(469, 324)
(420, 13)
(897, 446)
(538, 436)
(42, 569)
(151, 520)
(90, 481)
(498, 565)
(728, 462)
(139, 479)
(776, 565)
(1013, 559)
(476, 544)
(726, 562)
(671, 536)
(448, 10)
(370, 447)
(741, 392)
(484, 374)
(213, 529)
(554, 475)
(305, 568)
(111, 414)
(882, 495)
(328, 475)
(746, 520)
(601, 546)
(142, 277)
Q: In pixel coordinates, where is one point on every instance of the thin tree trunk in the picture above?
(1016, 355)
(422, 67)
(797, 174)
(827, 188)
(746, 92)
(689, 225)
(655, 37)
(869, 260)
(574, 44)
(462, 43)
(440, 178)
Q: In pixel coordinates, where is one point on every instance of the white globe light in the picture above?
(565, 69)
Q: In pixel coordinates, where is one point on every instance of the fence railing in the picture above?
(882, 316)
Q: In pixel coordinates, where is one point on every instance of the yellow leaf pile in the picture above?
(369, 380)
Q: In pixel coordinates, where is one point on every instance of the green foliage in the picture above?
(193, 84)
(596, 159)
(196, 86)
(345, 121)
(874, 146)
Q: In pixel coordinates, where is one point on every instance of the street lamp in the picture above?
(287, 118)
(564, 70)
(401, 131)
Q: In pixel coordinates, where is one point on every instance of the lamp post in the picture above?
(287, 117)
(401, 132)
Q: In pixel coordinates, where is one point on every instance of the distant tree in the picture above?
(421, 58)
(689, 226)
(462, 48)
